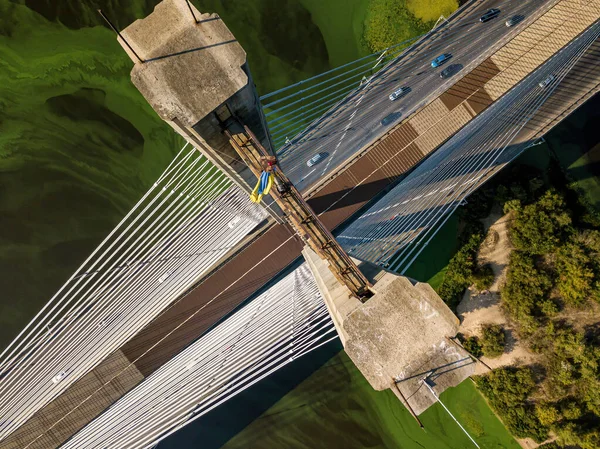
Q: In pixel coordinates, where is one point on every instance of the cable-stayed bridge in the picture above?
(357, 120)
(282, 324)
(394, 230)
(196, 228)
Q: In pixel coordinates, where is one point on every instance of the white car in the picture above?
(165, 276)
(547, 81)
(315, 159)
(60, 376)
(233, 222)
(397, 93)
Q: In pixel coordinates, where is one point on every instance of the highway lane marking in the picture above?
(308, 174)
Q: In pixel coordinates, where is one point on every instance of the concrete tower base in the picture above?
(399, 337)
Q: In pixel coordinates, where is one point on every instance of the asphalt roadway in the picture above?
(357, 120)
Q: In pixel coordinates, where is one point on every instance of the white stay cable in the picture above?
(128, 294)
(237, 353)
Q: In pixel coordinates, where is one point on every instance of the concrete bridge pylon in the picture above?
(398, 338)
(194, 73)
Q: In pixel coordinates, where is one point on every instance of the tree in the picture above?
(512, 205)
(540, 227)
(507, 386)
(459, 274)
(548, 414)
(483, 278)
(507, 390)
(573, 434)
(493, 340)
(575, 273)
(472, 345)
(588, 262)
(570, 410)
(525, 289)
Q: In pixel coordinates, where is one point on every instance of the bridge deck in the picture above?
(380, 165)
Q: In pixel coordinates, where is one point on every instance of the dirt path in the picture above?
(477, 309)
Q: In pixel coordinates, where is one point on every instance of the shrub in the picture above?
(571, 410)
(483, 278)
(548, 414)
(525, 289)
(540, 227)
(459, 273)
(579, 436)
(389, 22)
(493, 340)
(507, 390)
(512, 205)
(578, 268)
(507, 386)
(472, 345)
(575, 274)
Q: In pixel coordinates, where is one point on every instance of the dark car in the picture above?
(494, 12)
(514, 20)
(450, 70)
(391, 118)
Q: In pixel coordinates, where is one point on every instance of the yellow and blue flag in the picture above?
(263, 186)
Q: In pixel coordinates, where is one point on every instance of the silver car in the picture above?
(547, 81)
(397, 94)
(315, 159)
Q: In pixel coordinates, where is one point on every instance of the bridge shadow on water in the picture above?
(214, 429)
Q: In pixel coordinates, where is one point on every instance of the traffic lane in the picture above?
(287, 153)
(466, 53)
(463, 162)
(472, 20)
(470, 53)
(417, 62)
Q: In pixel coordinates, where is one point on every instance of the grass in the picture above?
(431, 10)
(389, 22)
(336, 408)
(341, 23)
(575, 145)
